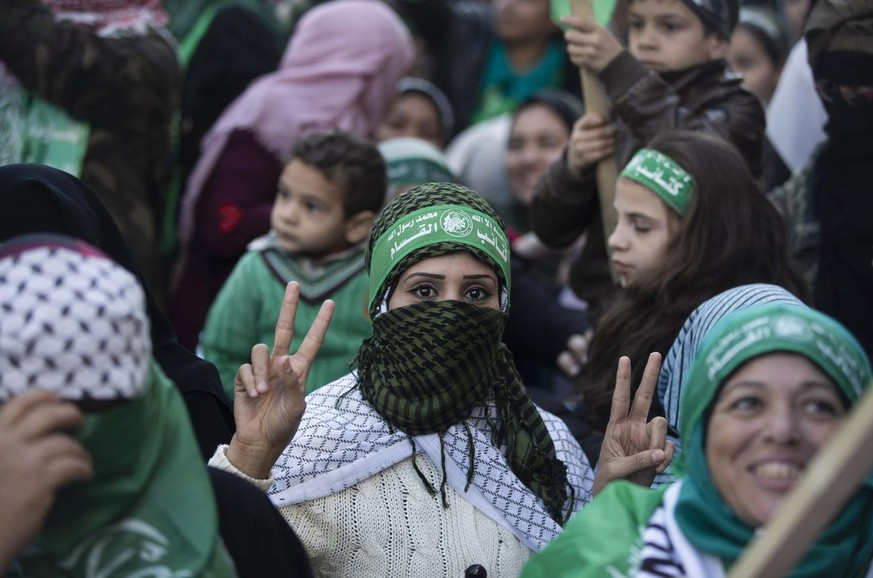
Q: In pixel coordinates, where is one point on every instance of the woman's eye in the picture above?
(423, 291)
(822, 407)
(642, 229)
(313, 207)
(478, 294)
(745, 404)
(636, 24)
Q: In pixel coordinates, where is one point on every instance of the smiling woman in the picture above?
(769, 386)
(767, 422)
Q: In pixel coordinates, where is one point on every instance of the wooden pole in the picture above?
(832, 477)
(597, 101)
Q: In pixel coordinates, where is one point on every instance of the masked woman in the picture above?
(768, 388)
(430, 459)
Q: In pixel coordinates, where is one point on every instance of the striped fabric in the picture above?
(678, 360)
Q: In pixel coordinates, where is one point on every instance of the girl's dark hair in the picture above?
(564, 104)
(730, 236)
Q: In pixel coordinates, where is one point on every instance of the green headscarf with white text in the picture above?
(845, 547)
(427, 365)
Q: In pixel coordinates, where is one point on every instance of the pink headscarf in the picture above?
(338, 73)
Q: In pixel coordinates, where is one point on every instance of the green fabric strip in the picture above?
(437, 224)
(663, 176)
(54, 138)
(150, 496)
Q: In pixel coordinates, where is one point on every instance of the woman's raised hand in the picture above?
(269, 392)
(633, 449)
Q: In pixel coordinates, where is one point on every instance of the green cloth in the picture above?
(663, 176)
(187, 15)
(605, 538)
(602, 539)
(845, 547)
(428, 364)
(438, 224)
(246, 309)
(148, 511)
(503, 89)
(603, 10)
(35, 131)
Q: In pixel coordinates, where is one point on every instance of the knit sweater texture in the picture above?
(389, 525)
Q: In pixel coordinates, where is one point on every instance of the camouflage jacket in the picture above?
(126, 89)
(793, 200)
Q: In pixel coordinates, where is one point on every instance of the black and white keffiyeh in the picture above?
(71, 321)
(343, 441)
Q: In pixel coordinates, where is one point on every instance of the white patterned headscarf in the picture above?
(71, 321)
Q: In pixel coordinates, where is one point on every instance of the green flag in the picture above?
(603, 10)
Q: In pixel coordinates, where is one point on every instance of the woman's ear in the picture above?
(358, 227)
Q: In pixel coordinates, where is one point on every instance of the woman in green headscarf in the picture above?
(75, 324)
(771, 384)
(430, 459)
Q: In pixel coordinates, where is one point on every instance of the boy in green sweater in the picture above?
(329, 194)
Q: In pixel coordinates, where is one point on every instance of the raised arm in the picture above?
(634, 449)
(269, 391)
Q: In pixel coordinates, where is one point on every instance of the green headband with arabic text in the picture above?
(437, 224)
(663, 176)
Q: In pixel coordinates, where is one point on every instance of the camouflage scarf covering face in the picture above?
(428, 365)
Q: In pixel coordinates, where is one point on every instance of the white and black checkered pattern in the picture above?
(72, 323)
(342, 441)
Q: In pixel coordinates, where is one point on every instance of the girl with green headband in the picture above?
(430, 459)
(769, 386)
(691, 224)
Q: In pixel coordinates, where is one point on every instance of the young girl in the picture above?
(691, 224)
(671, 76)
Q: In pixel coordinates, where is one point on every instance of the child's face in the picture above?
(638, 245)
(537, 139)
(308, 214)
(522, 20)
(665, 35)
(415, 115)
(748, 58)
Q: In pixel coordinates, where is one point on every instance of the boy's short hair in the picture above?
(349, 161)
(718, 16)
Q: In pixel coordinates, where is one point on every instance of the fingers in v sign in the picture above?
(634, 449)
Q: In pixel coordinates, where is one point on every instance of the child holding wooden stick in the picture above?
(672, 75)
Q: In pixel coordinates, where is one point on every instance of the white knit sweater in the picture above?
(390, 526)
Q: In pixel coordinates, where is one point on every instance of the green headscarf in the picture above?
(75, 324)
(427, 365)
(846, 545)
(149, 509)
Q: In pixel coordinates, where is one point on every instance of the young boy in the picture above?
(672, 75)
(329, 194)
